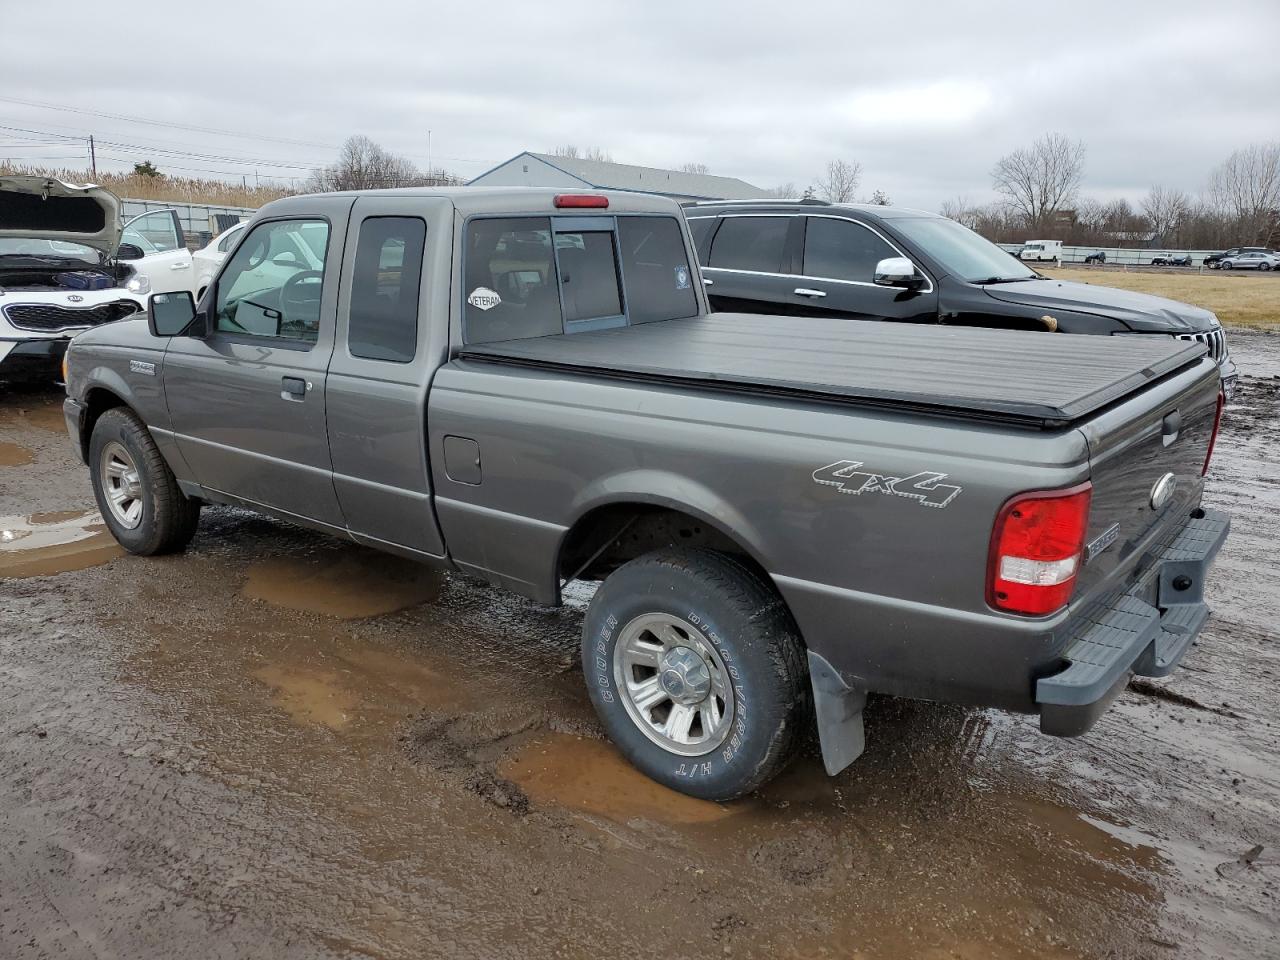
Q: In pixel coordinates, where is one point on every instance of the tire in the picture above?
(1264, 266)
(137, 494)
(713, 612)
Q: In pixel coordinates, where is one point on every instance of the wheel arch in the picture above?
(646, 511)
(98, 399)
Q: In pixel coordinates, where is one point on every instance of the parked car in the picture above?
(1214, 260)
(1171, 260)
(1041, 250)
(208, 258)
(787, 513)
(1096, 257)
(62, 269)
(156, 248)
(868, 262)
(1252, 260)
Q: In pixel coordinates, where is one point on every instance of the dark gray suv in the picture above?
(868, 262)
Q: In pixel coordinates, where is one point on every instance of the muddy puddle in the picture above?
(43, 544)
(12, 455)
(342, 582)
(583, 774)
(35, 411)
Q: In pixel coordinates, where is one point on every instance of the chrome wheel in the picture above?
(121, 484)
(673, 683)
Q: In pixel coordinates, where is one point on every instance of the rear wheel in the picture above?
(697, 672)
(136, 491)
(1264, 266)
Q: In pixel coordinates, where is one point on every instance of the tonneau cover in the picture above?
(1045, 379)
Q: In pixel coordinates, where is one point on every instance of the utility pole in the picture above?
(429, 172)
(93, 158)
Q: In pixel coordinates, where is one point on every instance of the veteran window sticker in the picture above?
(482, 298)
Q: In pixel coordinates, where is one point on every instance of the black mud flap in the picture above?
(838, 710)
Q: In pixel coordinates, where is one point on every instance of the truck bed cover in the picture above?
(1037, 379)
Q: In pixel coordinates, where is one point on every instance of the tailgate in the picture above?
(1160, 431)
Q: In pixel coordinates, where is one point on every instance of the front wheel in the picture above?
(136, 491)
(697, 672)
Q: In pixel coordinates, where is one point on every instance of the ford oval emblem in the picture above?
(74, 298)
(1163, 491)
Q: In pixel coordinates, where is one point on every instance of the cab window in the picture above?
(385, 285)
(658, 274)
(538, 276)
(510, 280)
(272, 284)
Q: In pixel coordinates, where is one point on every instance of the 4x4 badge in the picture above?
(925, 487)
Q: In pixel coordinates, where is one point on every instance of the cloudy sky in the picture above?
(926, 95)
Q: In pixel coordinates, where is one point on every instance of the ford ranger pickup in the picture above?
(785, 514)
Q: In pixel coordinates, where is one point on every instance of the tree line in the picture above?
(1040, 198)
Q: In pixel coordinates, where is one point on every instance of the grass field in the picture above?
(166, 188)
(1238, 300)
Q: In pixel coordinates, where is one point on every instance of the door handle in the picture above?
(179, 266)
(708, 282)
(293, 388)
(806, 292)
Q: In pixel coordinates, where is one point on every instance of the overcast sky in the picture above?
(926, 95)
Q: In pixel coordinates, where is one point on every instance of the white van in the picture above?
(1041, 250)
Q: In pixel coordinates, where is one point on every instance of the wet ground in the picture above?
(276, 745)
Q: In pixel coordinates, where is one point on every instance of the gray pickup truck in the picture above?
(787, 514)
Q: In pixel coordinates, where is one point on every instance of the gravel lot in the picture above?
(281, 746)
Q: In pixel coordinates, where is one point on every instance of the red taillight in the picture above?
(1213, 437)
(1036, 547)
(581, 200)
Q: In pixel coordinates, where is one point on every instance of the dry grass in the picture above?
(1238, 300)
(170, 189)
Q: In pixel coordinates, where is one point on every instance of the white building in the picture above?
(573, 173)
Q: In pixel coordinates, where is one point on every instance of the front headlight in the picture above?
(139, 283)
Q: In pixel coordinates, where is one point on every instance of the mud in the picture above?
(58, 542)
(277, 745)
(12, 455)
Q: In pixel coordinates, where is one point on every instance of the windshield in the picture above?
(963, 252)
(30, 247)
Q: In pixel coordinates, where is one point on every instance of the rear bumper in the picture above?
(1145, 629)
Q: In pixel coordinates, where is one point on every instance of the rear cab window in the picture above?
(539, 276)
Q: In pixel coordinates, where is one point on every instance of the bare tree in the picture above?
(364, 165)
(1165, 208)
(880, 198)
(840, 181)
(571, 151)
(700, 168)
(960, 210)
(1247, 185)
(784, 191)
(1040, 179)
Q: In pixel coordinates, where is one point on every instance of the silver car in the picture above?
(1254, 260)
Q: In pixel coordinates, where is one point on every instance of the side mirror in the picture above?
(170, 314)
(897, 272)
(129, 251)
(285, 260)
